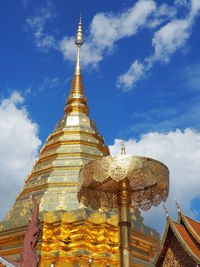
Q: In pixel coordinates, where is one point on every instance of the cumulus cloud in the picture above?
(108, 28)
(104, 31)
(166, 41)
(180, 151)
(170, 34)
(19, 144)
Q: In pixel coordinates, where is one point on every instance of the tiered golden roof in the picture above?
(71, 233)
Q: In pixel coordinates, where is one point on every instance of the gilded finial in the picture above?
(79, 42)
(177, 205)
(79, 35)
(165, 209)
(123, 150)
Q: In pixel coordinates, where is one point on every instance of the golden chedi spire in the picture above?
(77, 102)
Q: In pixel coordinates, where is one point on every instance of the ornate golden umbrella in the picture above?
(120, 183)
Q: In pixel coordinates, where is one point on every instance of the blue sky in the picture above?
(141, 74)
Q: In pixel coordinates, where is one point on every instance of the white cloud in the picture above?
(19, 143)
(166, 41)
(180, 151)
(169, 38)
(108, 28)
(105, 30)
(195, 8)
(161, 14)
(135, 72)
(37, 23)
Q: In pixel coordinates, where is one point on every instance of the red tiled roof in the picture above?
(190, 245)
(195, 227)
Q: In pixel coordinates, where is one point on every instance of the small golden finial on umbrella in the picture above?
(123, 150)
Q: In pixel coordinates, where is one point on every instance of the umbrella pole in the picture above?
(124, 224)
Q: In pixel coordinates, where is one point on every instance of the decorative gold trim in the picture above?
(59, 155)
(75, 142)
(47, 185)
(64, 132)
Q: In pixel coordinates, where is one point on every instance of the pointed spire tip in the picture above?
(80, 21)
(79, 35)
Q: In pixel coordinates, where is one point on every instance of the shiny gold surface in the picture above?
(98, 184)
(124, 202)
(77, 102)
(69, 238)
(121, 182)
(82, 233)
(79, 35)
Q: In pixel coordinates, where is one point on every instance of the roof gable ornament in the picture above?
(166, 211)
(177, 205)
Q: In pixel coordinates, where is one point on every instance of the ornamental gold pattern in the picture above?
(99, 182)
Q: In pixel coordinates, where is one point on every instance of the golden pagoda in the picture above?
(72, 235)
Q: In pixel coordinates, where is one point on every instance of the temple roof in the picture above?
(186, 240)
(187, 233)
(192, 226)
